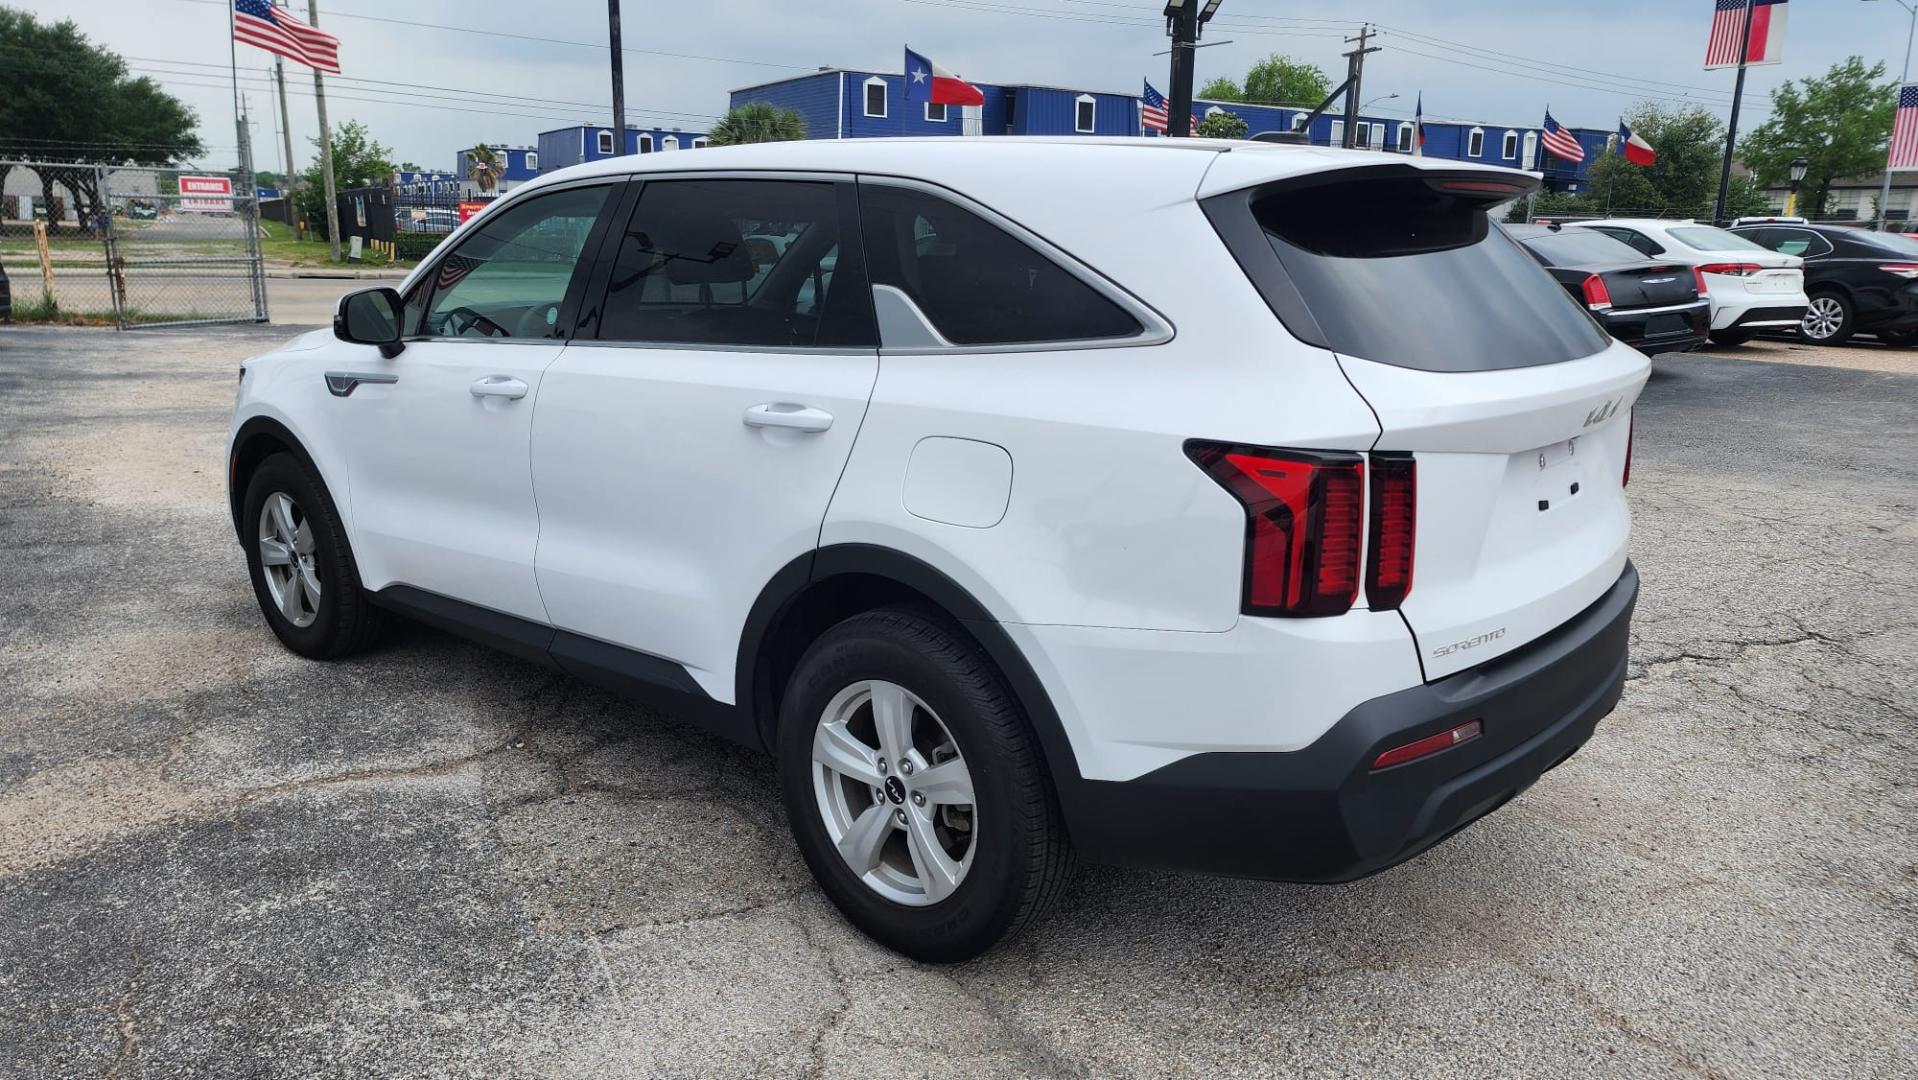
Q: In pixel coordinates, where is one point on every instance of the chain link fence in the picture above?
(130, 246)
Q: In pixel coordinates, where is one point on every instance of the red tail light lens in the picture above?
(1597, 296)
(1698, 276)
(1388, 576)
(1731, 269)
(1303, 511)
(1908, 271)
(1429, 745)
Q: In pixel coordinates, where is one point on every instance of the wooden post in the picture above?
(46, 262)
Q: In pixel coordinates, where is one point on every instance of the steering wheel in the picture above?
(473, 320)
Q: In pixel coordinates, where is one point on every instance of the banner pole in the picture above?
(1731, 129)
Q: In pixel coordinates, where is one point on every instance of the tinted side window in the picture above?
(977, 283)
(509, 278)
(1637, 240)
(738, 262)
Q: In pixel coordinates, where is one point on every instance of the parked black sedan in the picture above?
(1653, 306)
(1859, 282)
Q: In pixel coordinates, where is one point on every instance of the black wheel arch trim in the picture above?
(872, 560)
(251, 429)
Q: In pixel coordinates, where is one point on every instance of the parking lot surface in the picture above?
(219, 860)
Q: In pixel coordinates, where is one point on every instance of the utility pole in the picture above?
(1355, 79)
(326, 149)
(1884, 190)
(286, 132)
(619, 77)
(1731, 129)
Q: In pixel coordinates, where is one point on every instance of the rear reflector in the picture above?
(1394, 528)
(1303, 511)
(1597, 296)
(1429, 745)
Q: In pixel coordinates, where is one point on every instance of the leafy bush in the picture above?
(1221, 125)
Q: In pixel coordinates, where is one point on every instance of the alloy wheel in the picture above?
(286, 559)
(1823, 318)
(894, 793)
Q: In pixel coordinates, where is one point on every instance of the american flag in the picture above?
(1904, 133)
(1767, 33)
(1152, 110)
(1155, 114)
(257, 22)
(1561, 143)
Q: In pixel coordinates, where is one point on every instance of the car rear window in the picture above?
(1706, 238)
(1393, 270)
(1582, 248)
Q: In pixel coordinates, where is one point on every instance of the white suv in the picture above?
(1752, 288)
(1027, 499)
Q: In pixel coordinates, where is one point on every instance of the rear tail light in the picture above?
(1698, 276)
(1303, 512)
(1394, 528)
(1903, 270)
(1731, 269)
(1597, 296)
(1429, 745)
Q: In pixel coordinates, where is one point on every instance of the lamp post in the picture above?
(1184, 22)
(1799, 167)
(1884, 191)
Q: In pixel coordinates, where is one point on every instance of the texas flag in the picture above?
(927, 81)
(1636, 150)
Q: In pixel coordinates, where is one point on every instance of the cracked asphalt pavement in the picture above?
(219, 860)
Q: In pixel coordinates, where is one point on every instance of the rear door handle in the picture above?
(500, 386)
(785, 414)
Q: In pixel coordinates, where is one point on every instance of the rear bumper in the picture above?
(1321, 814)
(1661, 329)
(1758, 317)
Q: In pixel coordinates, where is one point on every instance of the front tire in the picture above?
(915, 789)
(1828, 321)
(301, 565)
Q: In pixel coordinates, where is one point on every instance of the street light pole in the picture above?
(1884, 191)
(1798, 168)
(619, 78)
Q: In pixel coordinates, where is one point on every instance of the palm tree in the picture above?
(483, 167)
(757, 122)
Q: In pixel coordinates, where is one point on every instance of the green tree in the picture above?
(483, 167)
(1839, 121)
(65, 100)
(1221, 89)
(756, 122)
(1221, 125)
(357, 162)
(1281, 80)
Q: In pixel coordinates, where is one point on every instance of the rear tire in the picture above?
(1730, 338)
(960, 770)
(301, 565)
(1828, 321)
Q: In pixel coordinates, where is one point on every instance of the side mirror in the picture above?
(370, 317)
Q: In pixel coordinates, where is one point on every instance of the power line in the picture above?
(332, 14)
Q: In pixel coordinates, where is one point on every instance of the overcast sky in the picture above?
(1497, 61)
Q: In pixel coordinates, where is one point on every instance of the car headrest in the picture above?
(699, 249)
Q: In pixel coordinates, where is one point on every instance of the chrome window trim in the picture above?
(1154, 328)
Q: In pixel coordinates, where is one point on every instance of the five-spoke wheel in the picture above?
(286, 559)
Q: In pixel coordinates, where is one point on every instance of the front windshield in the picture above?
(1707, 238)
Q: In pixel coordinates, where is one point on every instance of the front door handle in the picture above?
(785, 414)
(500, 386)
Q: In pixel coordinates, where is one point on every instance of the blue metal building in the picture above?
(576, 145)
(850, 104)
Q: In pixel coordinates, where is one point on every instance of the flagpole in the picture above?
(1731, 129)
(326, 149)
(1884, 190)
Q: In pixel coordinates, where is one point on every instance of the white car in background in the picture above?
(1752, 288)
